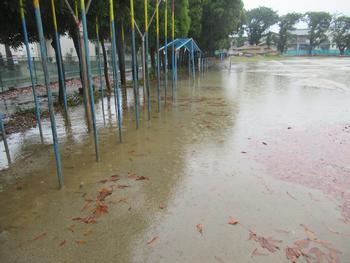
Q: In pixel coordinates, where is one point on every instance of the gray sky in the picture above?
(302, 6)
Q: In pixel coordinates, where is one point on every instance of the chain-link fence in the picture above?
(14, 72)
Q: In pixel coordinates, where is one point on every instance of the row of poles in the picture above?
(83, 50)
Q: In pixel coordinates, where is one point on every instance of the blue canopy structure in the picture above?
(186, 44)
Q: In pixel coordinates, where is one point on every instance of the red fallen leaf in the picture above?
(232, 221)
(154, 239)
(122, 186)
(63, 243)
(89, 220)
(252, 236)
(282, 231)
(162, 206)
(103, 193)
(310, 234)
(78, 218)
(268, 244)
(257, 253)
(333, 255)
(86, 205)
(141, 177)
(80, 242)
(103, 181)
(293, 253)
(115, 178)
(40, 236)
(199, 228)
(304, 243)
(132, 175)
(100, 209)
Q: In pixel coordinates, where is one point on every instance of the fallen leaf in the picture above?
(154, 239)
(199, 228)
(318, 253)
(310, 234)
(304, 243)
(63, 243)
(80, 242)
(232, 221)
(100, 208)
(103, 193)
(89, 220)
(257, 253)
(162, 206)
(141, 177)
(115, 177)
(122, 186)
(268, 244)
(78, 218)
(103, 181)
(293, 253)
(40, 236)
(70, 228)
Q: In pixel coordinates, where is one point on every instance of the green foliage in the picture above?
(286, 25)
(318, 25)
(259, 20)
(219, 19)
(196, 18)
(340, 32)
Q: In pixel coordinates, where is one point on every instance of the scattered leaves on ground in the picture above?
(232, 221)
(153, 240)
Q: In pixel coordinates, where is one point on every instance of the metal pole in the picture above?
(88, 66)
(30, 66)
(158, 60)
(189, 64)
(48, 90)
(100, 71)
(173, 46)
(146, 60)
(136, 102)
(115, 68)
(193, 65)
(166, 49)
(143, 69)
(3, 133)
(60, 63)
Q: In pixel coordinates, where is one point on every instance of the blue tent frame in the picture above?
(189, 45)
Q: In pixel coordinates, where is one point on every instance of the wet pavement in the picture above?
(265, 144)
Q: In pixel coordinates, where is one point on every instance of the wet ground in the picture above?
(248, 165)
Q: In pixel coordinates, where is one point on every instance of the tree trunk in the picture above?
(75, 38)
(152, 53)
(9, 58)
(121, 56)
(105, 65)
(59, 68)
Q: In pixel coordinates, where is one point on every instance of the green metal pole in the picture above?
(48, 90)
(30, 66)
(100, 71)
(134, 59)
(115, 69)
(88, 66)
(59, 62)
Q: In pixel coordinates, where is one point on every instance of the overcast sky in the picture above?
(302, 6)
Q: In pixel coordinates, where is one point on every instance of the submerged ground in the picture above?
(250, 164)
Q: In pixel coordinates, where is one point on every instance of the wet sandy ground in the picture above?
(266, 144)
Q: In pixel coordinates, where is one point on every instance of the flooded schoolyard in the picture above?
(248, 164)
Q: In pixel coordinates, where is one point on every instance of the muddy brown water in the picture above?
(267, 143)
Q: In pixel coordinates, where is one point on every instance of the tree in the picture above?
(340, 32)
(219, 19)
(259, 20)
(196, 19)
(318, 25)
(286, 25)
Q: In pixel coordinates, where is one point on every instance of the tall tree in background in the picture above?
(196, 19)
(286, 24)
(219, 19)
(340, 32)
(259, 20)
(318, 25)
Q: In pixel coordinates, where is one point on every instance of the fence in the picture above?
(15, 74)
(316, 52)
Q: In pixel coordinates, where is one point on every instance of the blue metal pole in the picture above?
(115, 69)
(3, 133)
(30, 66)
(134, 59)
(87, 54)
(193, 65)
(49, 92)
(100, 71)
